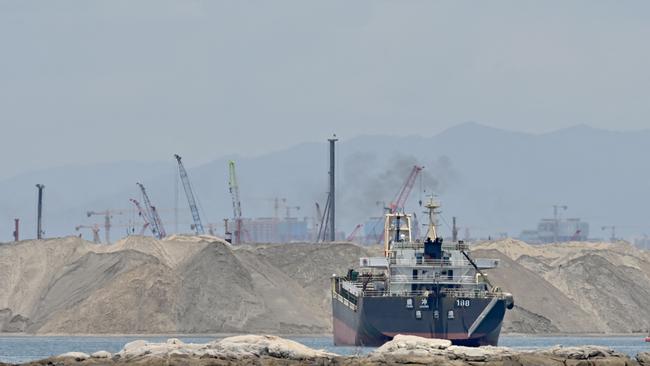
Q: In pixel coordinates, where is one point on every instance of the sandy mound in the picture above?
(579, 287)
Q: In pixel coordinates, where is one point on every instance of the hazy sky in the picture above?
(88, 81)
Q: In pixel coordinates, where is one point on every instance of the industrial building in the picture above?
(557, 230)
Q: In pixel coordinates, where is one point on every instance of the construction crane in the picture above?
(236, 203)
(154, 219)
(403, 194)
(289, 208)
(93, 228)
(198, 227)
(108, 214)
(324, 220)
(142, 213)
(576, 235)
(354, 233)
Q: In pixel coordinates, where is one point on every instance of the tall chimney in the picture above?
(454, 231)
(16, 229)
(39, 227)
(332, 195)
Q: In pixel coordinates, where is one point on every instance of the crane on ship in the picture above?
(236, 203)
(198, 227)
(154, 219)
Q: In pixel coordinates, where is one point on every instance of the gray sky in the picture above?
(89, 81)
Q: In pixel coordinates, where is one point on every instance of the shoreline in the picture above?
(273, 350)
(294, 335)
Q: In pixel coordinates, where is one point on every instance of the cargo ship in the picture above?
(426, 288)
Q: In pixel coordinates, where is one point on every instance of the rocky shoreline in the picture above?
(403, 350)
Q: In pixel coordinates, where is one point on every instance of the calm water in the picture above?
(29, 348)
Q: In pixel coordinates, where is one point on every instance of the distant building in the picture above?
(272, 230)
(560, 230)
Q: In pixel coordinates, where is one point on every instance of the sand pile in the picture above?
(180, 284)
(203, 285)
(573, 287)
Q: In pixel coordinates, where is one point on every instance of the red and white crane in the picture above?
(403, 194)
(154, 219)
(143, 214)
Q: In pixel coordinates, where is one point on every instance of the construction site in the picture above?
(288, 222)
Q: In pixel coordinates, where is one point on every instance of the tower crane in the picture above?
(154, 219)
(400, 199)
(289, 208)
(94, 229)
(108, 214)
(198, 227)
(236, 203)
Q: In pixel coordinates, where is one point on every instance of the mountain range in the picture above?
(496, 182)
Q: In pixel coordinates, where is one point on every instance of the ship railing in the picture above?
(472, 294)
(345, 301)
(465, 294)
(414, 262)
(396, 279)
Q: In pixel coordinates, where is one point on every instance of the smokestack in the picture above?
(454, 230)
(332, 195)
(16, 229)
(39, 227)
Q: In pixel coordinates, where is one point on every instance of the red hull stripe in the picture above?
(343, 334)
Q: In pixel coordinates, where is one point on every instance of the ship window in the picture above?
(450, 314)
(436, 314)
(409, 303)
(418, 314)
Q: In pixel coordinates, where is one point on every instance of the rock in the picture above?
(101, 354)
(407, 342)
(478, 353)
(266, 345)
(77, 356)
(643, 358)
(581, 353)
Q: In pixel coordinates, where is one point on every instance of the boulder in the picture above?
(266, 345)
(77, 356)
(643, 358)
(101, 354)
(401, 343)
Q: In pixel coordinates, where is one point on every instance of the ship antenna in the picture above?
(432, 205)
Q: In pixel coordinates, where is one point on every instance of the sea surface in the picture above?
(18, 349)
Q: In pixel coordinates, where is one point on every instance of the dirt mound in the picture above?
(579, 287)
(186, 284)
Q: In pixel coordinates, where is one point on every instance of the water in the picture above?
(17, 349)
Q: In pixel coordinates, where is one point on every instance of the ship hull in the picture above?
(376, 320)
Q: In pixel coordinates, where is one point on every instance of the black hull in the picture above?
(376, 320)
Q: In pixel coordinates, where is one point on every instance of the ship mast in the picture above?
(432, 205)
